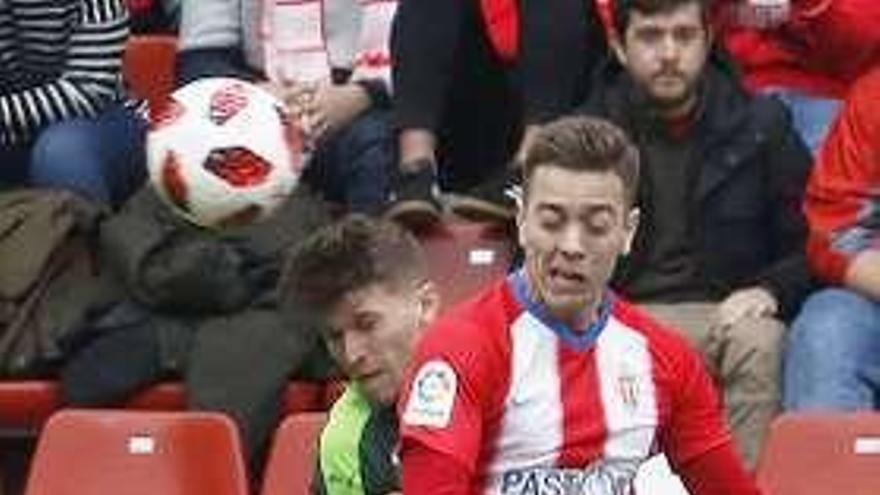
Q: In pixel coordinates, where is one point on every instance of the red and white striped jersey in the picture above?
(529, 406)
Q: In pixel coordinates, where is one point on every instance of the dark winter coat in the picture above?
(746, 207)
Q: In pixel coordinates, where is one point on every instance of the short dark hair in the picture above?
(623, 10)
(584, 143)
(351, 254)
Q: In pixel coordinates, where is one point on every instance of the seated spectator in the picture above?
(368, 282)
(807, 52)
(472, 80)
(834, 345)
(347, 119)
(720, 251)
(64, 121)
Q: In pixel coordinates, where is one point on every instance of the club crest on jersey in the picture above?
(628, 388)
(432, 395)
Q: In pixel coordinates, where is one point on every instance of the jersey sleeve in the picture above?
(337, 469)
(356, 449)
(718, 472)
(442, 407)
(696, 425)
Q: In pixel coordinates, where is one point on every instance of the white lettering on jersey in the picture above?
(432, 395)
(594, 480)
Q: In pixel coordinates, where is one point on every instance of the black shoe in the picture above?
(494, 200)
(415, 199)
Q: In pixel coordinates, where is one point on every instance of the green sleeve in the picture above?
(357, 449)
(339, 469)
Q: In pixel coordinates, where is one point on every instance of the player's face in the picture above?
(372, 332)
(665, 53)
(573, 225)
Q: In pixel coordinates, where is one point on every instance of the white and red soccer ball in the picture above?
(223, 152)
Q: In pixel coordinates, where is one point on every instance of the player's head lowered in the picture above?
(367, 279)
(577, 215)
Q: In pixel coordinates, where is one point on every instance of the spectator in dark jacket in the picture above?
(63, 121)
(720, 250)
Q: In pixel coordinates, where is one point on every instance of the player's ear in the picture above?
(521, 206)
(631, 225)
(617, 49)
(429, 302)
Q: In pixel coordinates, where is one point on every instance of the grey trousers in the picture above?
(745, 358)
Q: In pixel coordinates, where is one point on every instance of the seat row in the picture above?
(462, 257)
(96, 452)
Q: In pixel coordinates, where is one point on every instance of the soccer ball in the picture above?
(223, 152)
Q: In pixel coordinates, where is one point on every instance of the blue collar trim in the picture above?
(580, 341)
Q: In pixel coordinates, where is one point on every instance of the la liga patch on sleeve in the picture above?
(432, 395)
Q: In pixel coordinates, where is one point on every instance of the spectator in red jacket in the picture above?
(807, 52)
(834, 345)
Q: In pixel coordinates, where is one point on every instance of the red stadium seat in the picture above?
(148, 66)
(292, 460)
(822, 454)
(26, 404)
(96, 452)
(464, 257)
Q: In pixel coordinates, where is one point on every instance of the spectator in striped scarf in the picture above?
(64, 121)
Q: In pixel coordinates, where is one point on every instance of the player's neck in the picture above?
(578, 320)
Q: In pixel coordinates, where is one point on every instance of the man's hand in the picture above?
(296, 97)
(321, 108)
(863, 274)
(749, 302)
(326, 108)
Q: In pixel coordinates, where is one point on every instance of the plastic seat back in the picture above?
(96, 452)
(294, 452)
(465, 257)
(822, 454)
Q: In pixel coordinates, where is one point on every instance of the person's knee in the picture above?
(67, 155)
(370, 128)
(762, 335)
(59, 145)
(752, 355)
(363, 160)
(826, 350)
(826, 325)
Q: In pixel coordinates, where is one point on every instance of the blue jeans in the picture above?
(833, 356)
(101, 158)
(811, 115)
(353, 167)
